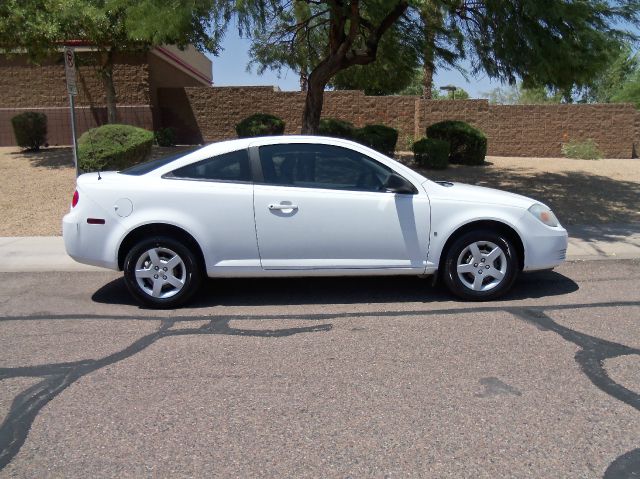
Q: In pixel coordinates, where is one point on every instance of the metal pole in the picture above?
(73, 132)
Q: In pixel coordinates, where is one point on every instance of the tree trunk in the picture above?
(106, 72)
(304, 81)
(431, 17)
(427, 80)
(313, 105)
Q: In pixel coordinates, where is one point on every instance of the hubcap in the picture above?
(482, 266)
(160, 272)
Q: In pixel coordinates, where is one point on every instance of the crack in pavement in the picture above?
(590, 357)
(57, 377)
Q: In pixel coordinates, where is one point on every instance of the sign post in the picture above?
(72, 89)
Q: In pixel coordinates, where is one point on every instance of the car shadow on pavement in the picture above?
(343, 290)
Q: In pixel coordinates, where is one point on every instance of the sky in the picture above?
(230, 69)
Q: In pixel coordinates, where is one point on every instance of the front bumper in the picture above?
(546, 250)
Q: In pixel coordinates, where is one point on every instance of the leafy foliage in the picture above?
(378, 137)
(468, 144)
(260, 124)
(30, 129)
(431, 153)
(582, 150)
(336, 128)
(519, 95)
(114, 147)
(165, 137)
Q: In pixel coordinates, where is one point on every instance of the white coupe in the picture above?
(301, 206)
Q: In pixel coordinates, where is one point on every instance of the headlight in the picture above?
(544, 214)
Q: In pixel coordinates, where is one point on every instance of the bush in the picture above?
(378, 137)
(468, 144)
(30, 129)
(260, 124)
(165, 137)
(336, 128)
(113, 147)
(582, 150)
(431, 153)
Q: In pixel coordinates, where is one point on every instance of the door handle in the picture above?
(283, 207)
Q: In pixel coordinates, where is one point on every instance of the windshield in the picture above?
(148, 166)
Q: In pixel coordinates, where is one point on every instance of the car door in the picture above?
(322, 206)
(214, 197)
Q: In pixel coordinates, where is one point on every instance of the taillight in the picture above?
(74, 200)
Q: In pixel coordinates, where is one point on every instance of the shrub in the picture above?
(260, 124)
(113, 147)
(336, 128)
(468, 144)
(378, 137)
(582, 150)
(431, 153)
(30, 129)
(165, 137)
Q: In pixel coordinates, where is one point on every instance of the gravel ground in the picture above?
(37, 187)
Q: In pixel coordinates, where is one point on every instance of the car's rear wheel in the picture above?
(480, 265)
(161, 272)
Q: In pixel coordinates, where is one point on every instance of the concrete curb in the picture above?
(586, 243)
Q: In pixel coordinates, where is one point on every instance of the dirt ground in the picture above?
(37, 187)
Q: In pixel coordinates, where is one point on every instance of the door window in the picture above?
(322, 166)
(233, 166)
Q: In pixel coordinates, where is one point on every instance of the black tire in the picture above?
(459, 249)
(188, 272)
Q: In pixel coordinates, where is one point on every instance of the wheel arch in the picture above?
(155, 229)
(494, 225)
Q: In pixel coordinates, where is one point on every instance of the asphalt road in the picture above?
(373, 377)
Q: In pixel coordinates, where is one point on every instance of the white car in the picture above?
(301, 206)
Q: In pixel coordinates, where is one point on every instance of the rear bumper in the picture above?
(86, 243)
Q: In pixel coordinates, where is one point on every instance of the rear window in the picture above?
(148, 166)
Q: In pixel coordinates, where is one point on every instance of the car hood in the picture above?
(463, 193)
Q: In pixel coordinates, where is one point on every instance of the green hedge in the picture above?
(378, 137)
(113, 147)
(336, 128)
(30, 129)
(260, 124)
(468, 144)
(431, 153)
(165, 137)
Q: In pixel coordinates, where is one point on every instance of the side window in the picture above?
(233, 166)
(322, 166)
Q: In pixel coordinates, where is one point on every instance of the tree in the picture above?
(41, 27)
(520, 95)
(554, 43)
(616, 83)
(393, 69)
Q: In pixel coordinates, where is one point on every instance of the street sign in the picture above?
(70, 70)
(72, 88)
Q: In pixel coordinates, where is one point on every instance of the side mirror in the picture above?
(397, 184)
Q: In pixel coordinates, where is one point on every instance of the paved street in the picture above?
(359, 377)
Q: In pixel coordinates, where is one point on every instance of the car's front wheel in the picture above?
(480, 265)
(161, 272)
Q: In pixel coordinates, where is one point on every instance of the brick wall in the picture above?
(25, 85)
(512, 130)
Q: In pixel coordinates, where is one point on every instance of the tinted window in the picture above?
(232, 166)
(148, 166)
(322, 166)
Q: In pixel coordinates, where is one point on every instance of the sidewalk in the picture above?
(46, 253)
